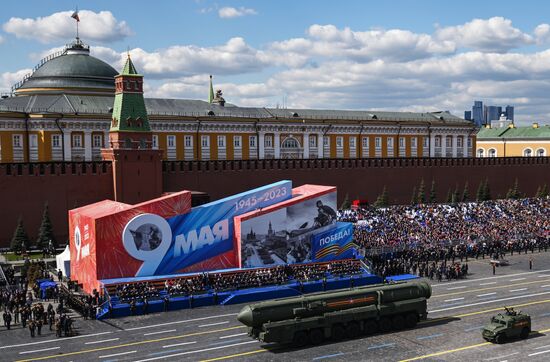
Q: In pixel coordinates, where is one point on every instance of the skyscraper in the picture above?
(477, 113)
(493, 114)
(510, 113)
(468, 115)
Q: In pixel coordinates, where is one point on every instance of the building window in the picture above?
(237, 141)
(492, 153)
(527, 152)
(365, 142)
(401, 142)
(459, 142)
(171, 141)
(437, 141)
(378, 142)
(77, 140)
(188, 141)
(480, 152)
(205, 141)
(221, 141)
(56, 141)
(326, 141)
(425, 142)
(312, 141)
(541, 152)
(290, 143)
(352, 142)
(339, 142)
(252, 141)
(33, 141)
(413, 142)
(390, 142)
(97, 141)
(268, 141)
(449, 141)
(155, 141)
(469, 142)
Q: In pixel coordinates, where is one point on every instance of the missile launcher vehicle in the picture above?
(345, 313)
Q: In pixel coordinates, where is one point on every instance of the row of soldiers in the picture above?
(35, 318)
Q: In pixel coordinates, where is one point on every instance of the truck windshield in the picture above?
(498, 321)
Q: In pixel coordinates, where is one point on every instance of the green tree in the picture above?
(487, 191)
(480, 191)
(346, 204)
(45, 233)
(456, 195)
(20, 242)
(421, 198)
(544, 191)
(382, 199)
(449, 196)
(433, 193)
(414, 197)
(537, 194)
(466, 193)
(513, 192)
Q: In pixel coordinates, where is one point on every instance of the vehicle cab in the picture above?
(509, 325)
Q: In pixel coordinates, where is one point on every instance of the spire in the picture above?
(211, 94)
(129, 68)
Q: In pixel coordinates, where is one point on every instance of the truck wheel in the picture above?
(338, 332)
(410, 320)
(500, 338)
(370, 327)
(300, 339)
(385, 324)
(524, 333)
(316, 336)
(398, 322)
(353, 330)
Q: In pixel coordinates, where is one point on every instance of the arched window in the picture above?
(480, 152)
(527, 152)
(128, 143)
(290, 142)
(492, 153)
(541, 152)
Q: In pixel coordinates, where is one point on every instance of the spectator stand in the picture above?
(133, 296)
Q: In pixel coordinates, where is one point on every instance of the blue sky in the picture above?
(401, 55)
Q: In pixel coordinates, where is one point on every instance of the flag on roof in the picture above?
(75, 16)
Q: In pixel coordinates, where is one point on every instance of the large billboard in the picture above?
(283, 236)
(335, 243)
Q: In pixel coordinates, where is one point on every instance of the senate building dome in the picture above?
(72, 70)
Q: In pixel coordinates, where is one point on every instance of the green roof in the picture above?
(516, 132)
(129, 68)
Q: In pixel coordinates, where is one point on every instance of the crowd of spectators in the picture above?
(428, 239)
(219, 282)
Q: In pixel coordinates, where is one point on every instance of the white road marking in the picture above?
(178, 344)
(490, 301)
(117, 354)
(489, 283)
(453, 300)
(499, 357)
(159, 332)
(233, 335)
(543, 276)
(542, 347)
(196, 351)
(486, 294)
(517, 290)
(490, 278)
(537, 353)
(54, 340)
(213, 324)
(103, 341)
(39, 350)
(184, 321)
(545, 286)
(517, 279)
(453, 288)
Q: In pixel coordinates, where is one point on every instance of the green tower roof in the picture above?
(129, 68)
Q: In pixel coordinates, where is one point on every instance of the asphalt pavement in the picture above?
(457, 312)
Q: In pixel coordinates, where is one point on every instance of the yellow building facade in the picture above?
(512, 141)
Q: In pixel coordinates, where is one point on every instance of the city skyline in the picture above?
(322, 56)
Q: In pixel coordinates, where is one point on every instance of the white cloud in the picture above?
(230, 12)
(8, 79)
(542, 33)
(490, 35)
(1, 39)
(94, 27)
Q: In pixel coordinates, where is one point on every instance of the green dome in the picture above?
(75, 71)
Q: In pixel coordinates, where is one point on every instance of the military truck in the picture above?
(506, 326)
(338, 314)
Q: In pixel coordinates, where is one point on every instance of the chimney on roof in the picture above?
(535, 125)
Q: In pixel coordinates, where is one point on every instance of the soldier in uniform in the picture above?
(32, 327)
(7, 319)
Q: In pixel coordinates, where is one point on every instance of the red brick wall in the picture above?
(24, 188)
(361, 178)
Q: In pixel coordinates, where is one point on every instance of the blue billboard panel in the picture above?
(333, 244)
(208, 230)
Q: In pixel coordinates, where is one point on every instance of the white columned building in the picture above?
(87, 145)
(67, 145)
(277, 145)
(305, 147)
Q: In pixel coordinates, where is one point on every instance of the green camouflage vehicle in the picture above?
(507, 326)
